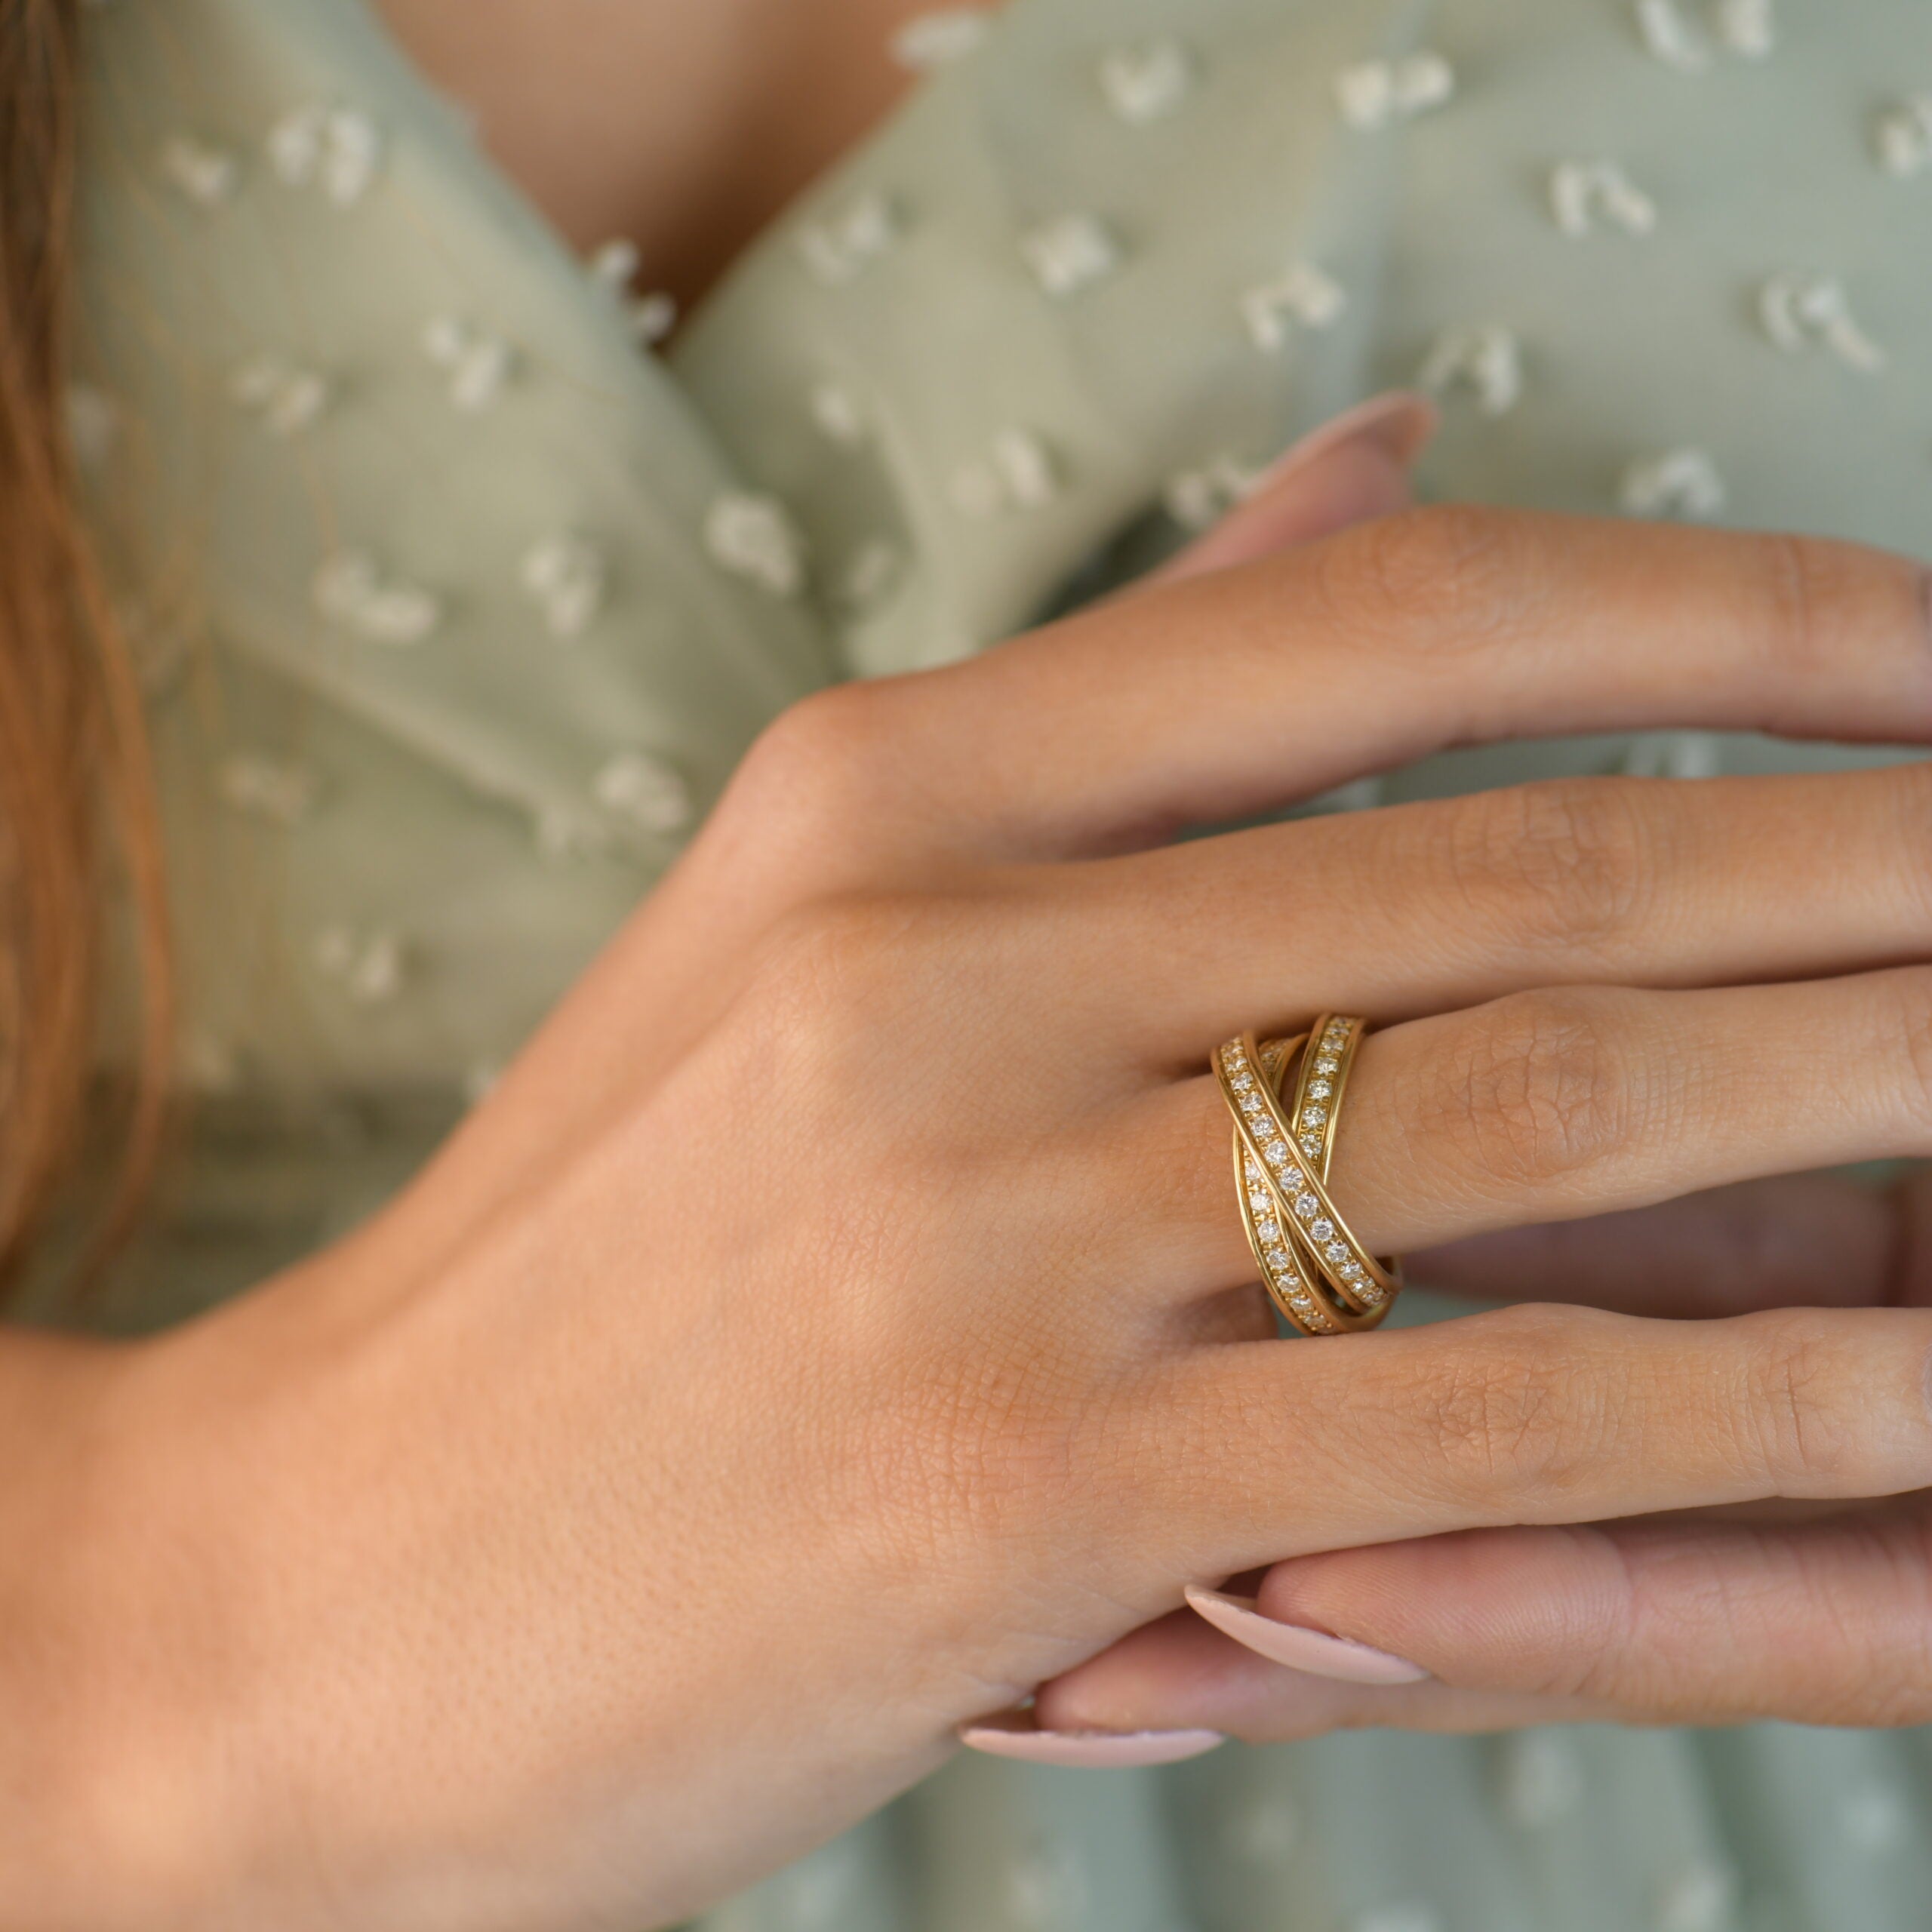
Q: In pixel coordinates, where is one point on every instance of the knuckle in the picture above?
(1441, 574)
(824, 765)
(1808, 591)
(1798, 1435)
(1906, 1019)
(829, 977)
(1905, 794)
(1499, 1416)
(1569, 860)
(1536, 1088)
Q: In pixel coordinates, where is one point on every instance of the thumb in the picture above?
(1355, 467)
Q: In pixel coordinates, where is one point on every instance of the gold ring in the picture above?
(1320, 1276)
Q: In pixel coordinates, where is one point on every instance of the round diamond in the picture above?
(1328, 1063)
(1323, 1231)
(1314, 1116)
(1307, 1206)
(1352, 1271)
(1277, 1152)
(1336, 1251)
(1320, 1090)
(1372, 1295)
(1277, 1258)
(1253, 1103)
(1268, 1230)
(1251, 1167)
(1312, 1142)
(1260, 1200)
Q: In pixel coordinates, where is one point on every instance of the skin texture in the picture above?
(835, 1324)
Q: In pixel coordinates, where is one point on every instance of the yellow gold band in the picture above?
(1321, 1277)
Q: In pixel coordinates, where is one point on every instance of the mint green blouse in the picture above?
(457, 605)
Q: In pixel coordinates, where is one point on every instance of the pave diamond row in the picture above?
(1302, 1197)
(1303, 1225)
(1262, 1212)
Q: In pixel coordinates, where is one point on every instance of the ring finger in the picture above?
(1549, 1106)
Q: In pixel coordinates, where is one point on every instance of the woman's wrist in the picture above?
(109, 1664)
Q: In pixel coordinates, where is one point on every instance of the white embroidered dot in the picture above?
(1668, 37)
(1698, 1899)
(1027, 467)
(1018, 472)
(1800, 310)
(1876, 1817)
(1047, 1887)
(1674, 754)
(479, 366)
(350, 590)
(338, 149)
(1199, 499)
(653, 317)
(869, 576)
(1358, 795)
(94, 424)
(1487, 361)
(1374, 93)
(560, 834)
(369, 967)
(754, 536)
(837, 414)
(839, 247)
(265, 788)
(1581, 190)
(1070, 253)
(646, 790)
(1408, 1916)
(1903, 135)
(1679, 483)
(1747, 27)
(206, 174)
(1538, 1778)
(565, 574)
(1146, 82)
(1270, 1827)
(932, 40)
(286, 399)
(615, 263)
(1301, 294)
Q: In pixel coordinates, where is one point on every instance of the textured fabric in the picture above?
(459, 608)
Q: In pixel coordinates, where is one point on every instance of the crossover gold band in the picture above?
(1320, 1276)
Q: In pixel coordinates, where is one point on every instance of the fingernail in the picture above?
(1299, 1647)
(1117, 1750)
(1400, 422)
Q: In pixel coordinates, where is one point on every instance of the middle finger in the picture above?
(1419, 909)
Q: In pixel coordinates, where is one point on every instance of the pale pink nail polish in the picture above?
(1300, 1648)
(1400, 421)
(1016, 1737)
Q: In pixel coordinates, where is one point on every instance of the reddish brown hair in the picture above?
(78, 821)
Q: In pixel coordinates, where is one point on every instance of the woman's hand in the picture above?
(836, 1323)
(1820, 1614)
